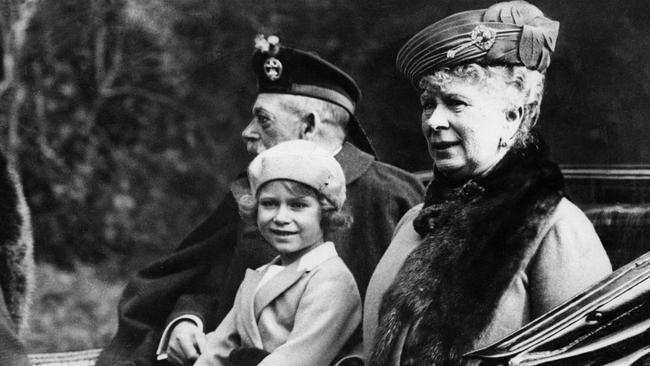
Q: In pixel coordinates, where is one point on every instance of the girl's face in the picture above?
(463, 124)
(289, 221)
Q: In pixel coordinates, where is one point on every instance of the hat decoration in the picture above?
(507, 33)
(271, 46)
(285, 70)
(482, 36)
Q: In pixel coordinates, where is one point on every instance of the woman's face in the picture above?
(463, 123)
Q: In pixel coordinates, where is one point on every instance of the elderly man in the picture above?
(169, 305)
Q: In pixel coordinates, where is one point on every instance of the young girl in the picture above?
(301, 308)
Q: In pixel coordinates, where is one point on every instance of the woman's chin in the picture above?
(448, 166)
(453, 171)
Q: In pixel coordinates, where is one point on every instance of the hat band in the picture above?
(323, 93)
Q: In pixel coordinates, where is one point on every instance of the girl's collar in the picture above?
(310, 259)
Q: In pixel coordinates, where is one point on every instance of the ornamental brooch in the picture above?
(483, 37)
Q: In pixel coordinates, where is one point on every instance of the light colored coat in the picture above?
(303, 315)
(569, 258)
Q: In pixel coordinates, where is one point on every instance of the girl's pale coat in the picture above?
(303, 315)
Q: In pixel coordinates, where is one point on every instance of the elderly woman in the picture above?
(495, 243)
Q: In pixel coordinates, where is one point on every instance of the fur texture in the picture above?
(476, 237)
(16, 245)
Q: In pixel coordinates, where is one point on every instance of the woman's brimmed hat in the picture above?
(506, 33)
(303, 162)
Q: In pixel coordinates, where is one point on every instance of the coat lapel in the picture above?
(354, 162)
(245, 304)
(274, 288)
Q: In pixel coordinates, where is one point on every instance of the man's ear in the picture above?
(310, 124)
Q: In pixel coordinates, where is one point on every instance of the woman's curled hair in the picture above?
(528, 87)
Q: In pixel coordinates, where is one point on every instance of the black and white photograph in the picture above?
(324, 183)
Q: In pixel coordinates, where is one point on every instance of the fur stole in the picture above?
(475, 238)
(16, 253)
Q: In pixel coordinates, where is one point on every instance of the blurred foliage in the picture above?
(121, 151)
(72, 311)
(132, 109)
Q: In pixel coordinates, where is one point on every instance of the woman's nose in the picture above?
(437, 120)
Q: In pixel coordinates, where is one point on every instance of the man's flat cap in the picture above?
(286, 70)
(506, 33)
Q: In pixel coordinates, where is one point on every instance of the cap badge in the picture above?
(482, 36)
(273, 68)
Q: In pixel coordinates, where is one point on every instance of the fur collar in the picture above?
(16, 261)
(475, 237)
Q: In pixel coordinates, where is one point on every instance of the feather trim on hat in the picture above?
(538, 33)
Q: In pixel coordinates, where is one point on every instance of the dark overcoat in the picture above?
(202, 275)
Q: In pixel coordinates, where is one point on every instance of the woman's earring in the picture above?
(502, 143)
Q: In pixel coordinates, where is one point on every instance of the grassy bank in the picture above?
(72, 310)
